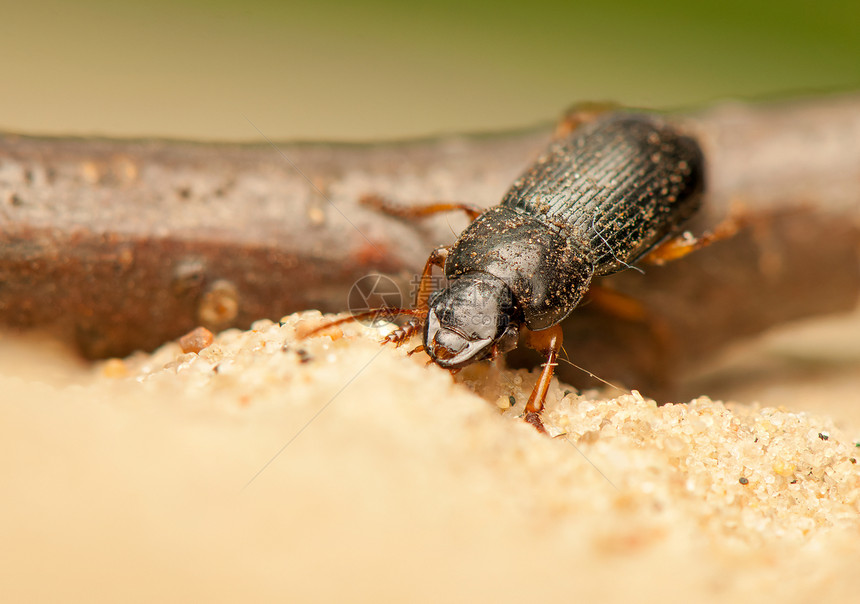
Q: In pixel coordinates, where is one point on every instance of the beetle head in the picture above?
(472, 319)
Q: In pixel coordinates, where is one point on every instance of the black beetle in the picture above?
(600, 198)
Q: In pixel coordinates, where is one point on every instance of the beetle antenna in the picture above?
(587, 372)
(384, 312)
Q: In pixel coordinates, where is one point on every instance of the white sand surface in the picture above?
(333, 469)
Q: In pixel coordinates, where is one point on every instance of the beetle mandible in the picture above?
(614, 189)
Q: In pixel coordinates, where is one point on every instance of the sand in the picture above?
(261, 468)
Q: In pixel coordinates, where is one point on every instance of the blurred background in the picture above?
(133, 491)
(384, 69)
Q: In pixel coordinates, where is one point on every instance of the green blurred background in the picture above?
(383, 69)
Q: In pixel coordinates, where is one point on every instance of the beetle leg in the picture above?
(682, 245)
(627, 308)
(419, 313)
(617, 304)
(373, 314)
(548, 342)
(419, 211)
(425, 287)
(582, 113)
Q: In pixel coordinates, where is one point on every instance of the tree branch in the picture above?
(120, 245)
